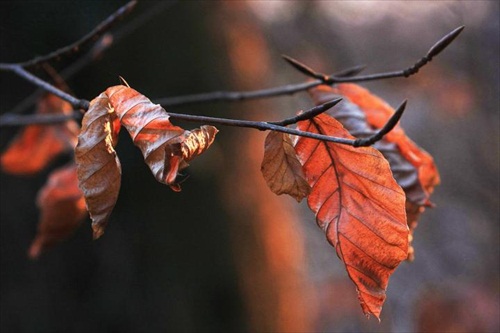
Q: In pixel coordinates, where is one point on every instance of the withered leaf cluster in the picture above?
(367, 200)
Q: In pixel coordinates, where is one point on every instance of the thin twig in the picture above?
(437, 48)
(75, 102)
(236, 96)
(260, 125)
(36, 119)
(82, 42)
(102, 45)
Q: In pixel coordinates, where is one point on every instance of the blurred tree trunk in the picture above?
(268, 244)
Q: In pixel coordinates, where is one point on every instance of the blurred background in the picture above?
(226, 254)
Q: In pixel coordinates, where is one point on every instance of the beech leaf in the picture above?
(412, 167)
(37, 145)
(359, 206)
(62, 209)
(377, 113)
(166, 148)
(281, 167)
(99, 169)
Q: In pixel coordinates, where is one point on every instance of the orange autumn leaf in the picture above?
(166, 148)
(62, 209)
(412, 167)
(99, 169)
(37, 145)
(281, 167)
(378, 113)
(358, 205)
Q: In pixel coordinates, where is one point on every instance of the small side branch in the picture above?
(75, 102)
(311, 113)
(36, 119)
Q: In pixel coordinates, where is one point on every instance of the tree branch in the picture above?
(276, 126)
(280, 126)
(82, 42)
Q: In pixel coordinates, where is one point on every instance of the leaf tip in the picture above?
(35, 249)
(123, 81)
(97, 231)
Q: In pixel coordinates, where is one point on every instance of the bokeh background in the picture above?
(225, 254)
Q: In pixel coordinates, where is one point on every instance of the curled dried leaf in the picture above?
(281, 167)
(62, 209)
(37, 145)
(183, 148)
(358, 205)
(166, 148)
(99, 169)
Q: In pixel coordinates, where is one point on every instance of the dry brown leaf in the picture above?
(37, 145)
(62, 209)
(166, 148)
(281, 167)
(359, 205)
(99, 169)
